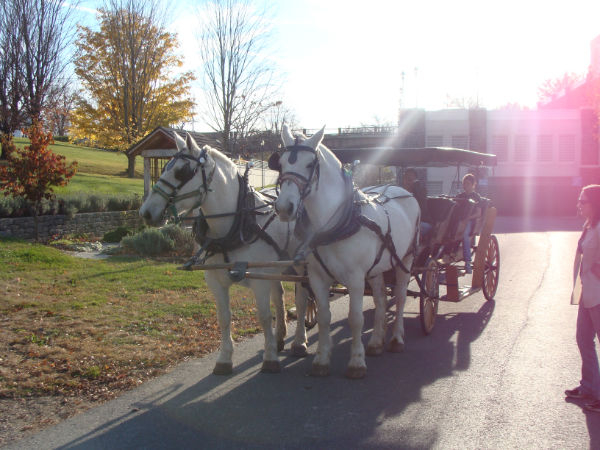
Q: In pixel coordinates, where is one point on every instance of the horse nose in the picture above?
(285, 209)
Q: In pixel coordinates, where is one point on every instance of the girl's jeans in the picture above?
(588, 327)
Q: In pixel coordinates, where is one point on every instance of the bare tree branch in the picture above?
(238, 79)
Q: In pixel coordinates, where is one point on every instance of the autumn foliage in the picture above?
(33, 171)
(130, 73)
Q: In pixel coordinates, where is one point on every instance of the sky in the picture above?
(352, 63)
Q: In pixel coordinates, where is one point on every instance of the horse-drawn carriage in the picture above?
(440, 256)
(367, 242)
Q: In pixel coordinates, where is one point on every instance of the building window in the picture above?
(521, 148)
(435, 187)
(566, 147)
(460, 142)
(500, 147)
(544, 148)
(434, 141)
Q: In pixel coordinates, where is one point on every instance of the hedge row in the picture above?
(70, 205)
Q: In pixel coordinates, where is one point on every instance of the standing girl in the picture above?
(588, 317)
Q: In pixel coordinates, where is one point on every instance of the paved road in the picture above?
(491, 375)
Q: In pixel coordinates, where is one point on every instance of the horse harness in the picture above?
(351, 219)
(244, 230)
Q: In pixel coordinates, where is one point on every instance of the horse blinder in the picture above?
(185, 173)
(274, 163)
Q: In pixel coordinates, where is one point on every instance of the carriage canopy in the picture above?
(421, 157)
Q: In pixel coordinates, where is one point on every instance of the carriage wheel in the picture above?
(430, 296)
(311, 313)
(491, 270)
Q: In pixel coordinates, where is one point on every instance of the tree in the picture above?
(34, 37)
(553, 87)
(127, 70)
(11, 86)
(238, 80)
(58, 111)
(33, 171)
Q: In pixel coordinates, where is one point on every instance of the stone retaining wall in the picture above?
(95, 224)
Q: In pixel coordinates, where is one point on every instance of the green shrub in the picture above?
(70, 204)
(61, 138)
(183, 239)
(116, 235)
(151, 242)
(97, 203)
(160, 241)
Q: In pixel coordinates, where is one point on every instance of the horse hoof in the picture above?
(270, 367)
(356, 373)
(374, 350)
(396, 347)
(280, 345)
(318, 370)
(223, 368)
(299, 351)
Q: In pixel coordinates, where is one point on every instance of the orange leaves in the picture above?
(33, 171)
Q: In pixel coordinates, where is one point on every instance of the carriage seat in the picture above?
(462, 214)
(440, 213)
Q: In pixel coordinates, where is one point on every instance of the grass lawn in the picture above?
(80, 327)
(98, 171)
(76, 331)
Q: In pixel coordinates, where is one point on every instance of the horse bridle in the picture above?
(187, 174)
(303, 183)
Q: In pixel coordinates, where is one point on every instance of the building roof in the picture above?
(164, 138)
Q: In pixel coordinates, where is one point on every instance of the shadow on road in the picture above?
(291, 410)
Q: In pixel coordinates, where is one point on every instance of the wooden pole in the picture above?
(250, 265)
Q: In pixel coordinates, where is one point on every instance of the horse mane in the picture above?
(221, 159)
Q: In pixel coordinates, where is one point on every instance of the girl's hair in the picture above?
(592, 195)
(470, 177)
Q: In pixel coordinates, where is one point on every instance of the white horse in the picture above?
(206, 178)
(312, 176)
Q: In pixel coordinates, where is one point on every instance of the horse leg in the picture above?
(320, 287)
(280, 323)
(224, 365)
(357, 367)
(299, 346)
(376, 343)
(402, 280)
(261, 291)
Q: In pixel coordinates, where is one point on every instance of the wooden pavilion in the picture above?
(159, 146)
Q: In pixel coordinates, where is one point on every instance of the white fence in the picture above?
(260, 175)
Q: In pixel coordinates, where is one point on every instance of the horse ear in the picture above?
(315, 139)
(179, 142)
(286, 136)
(191, 143)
